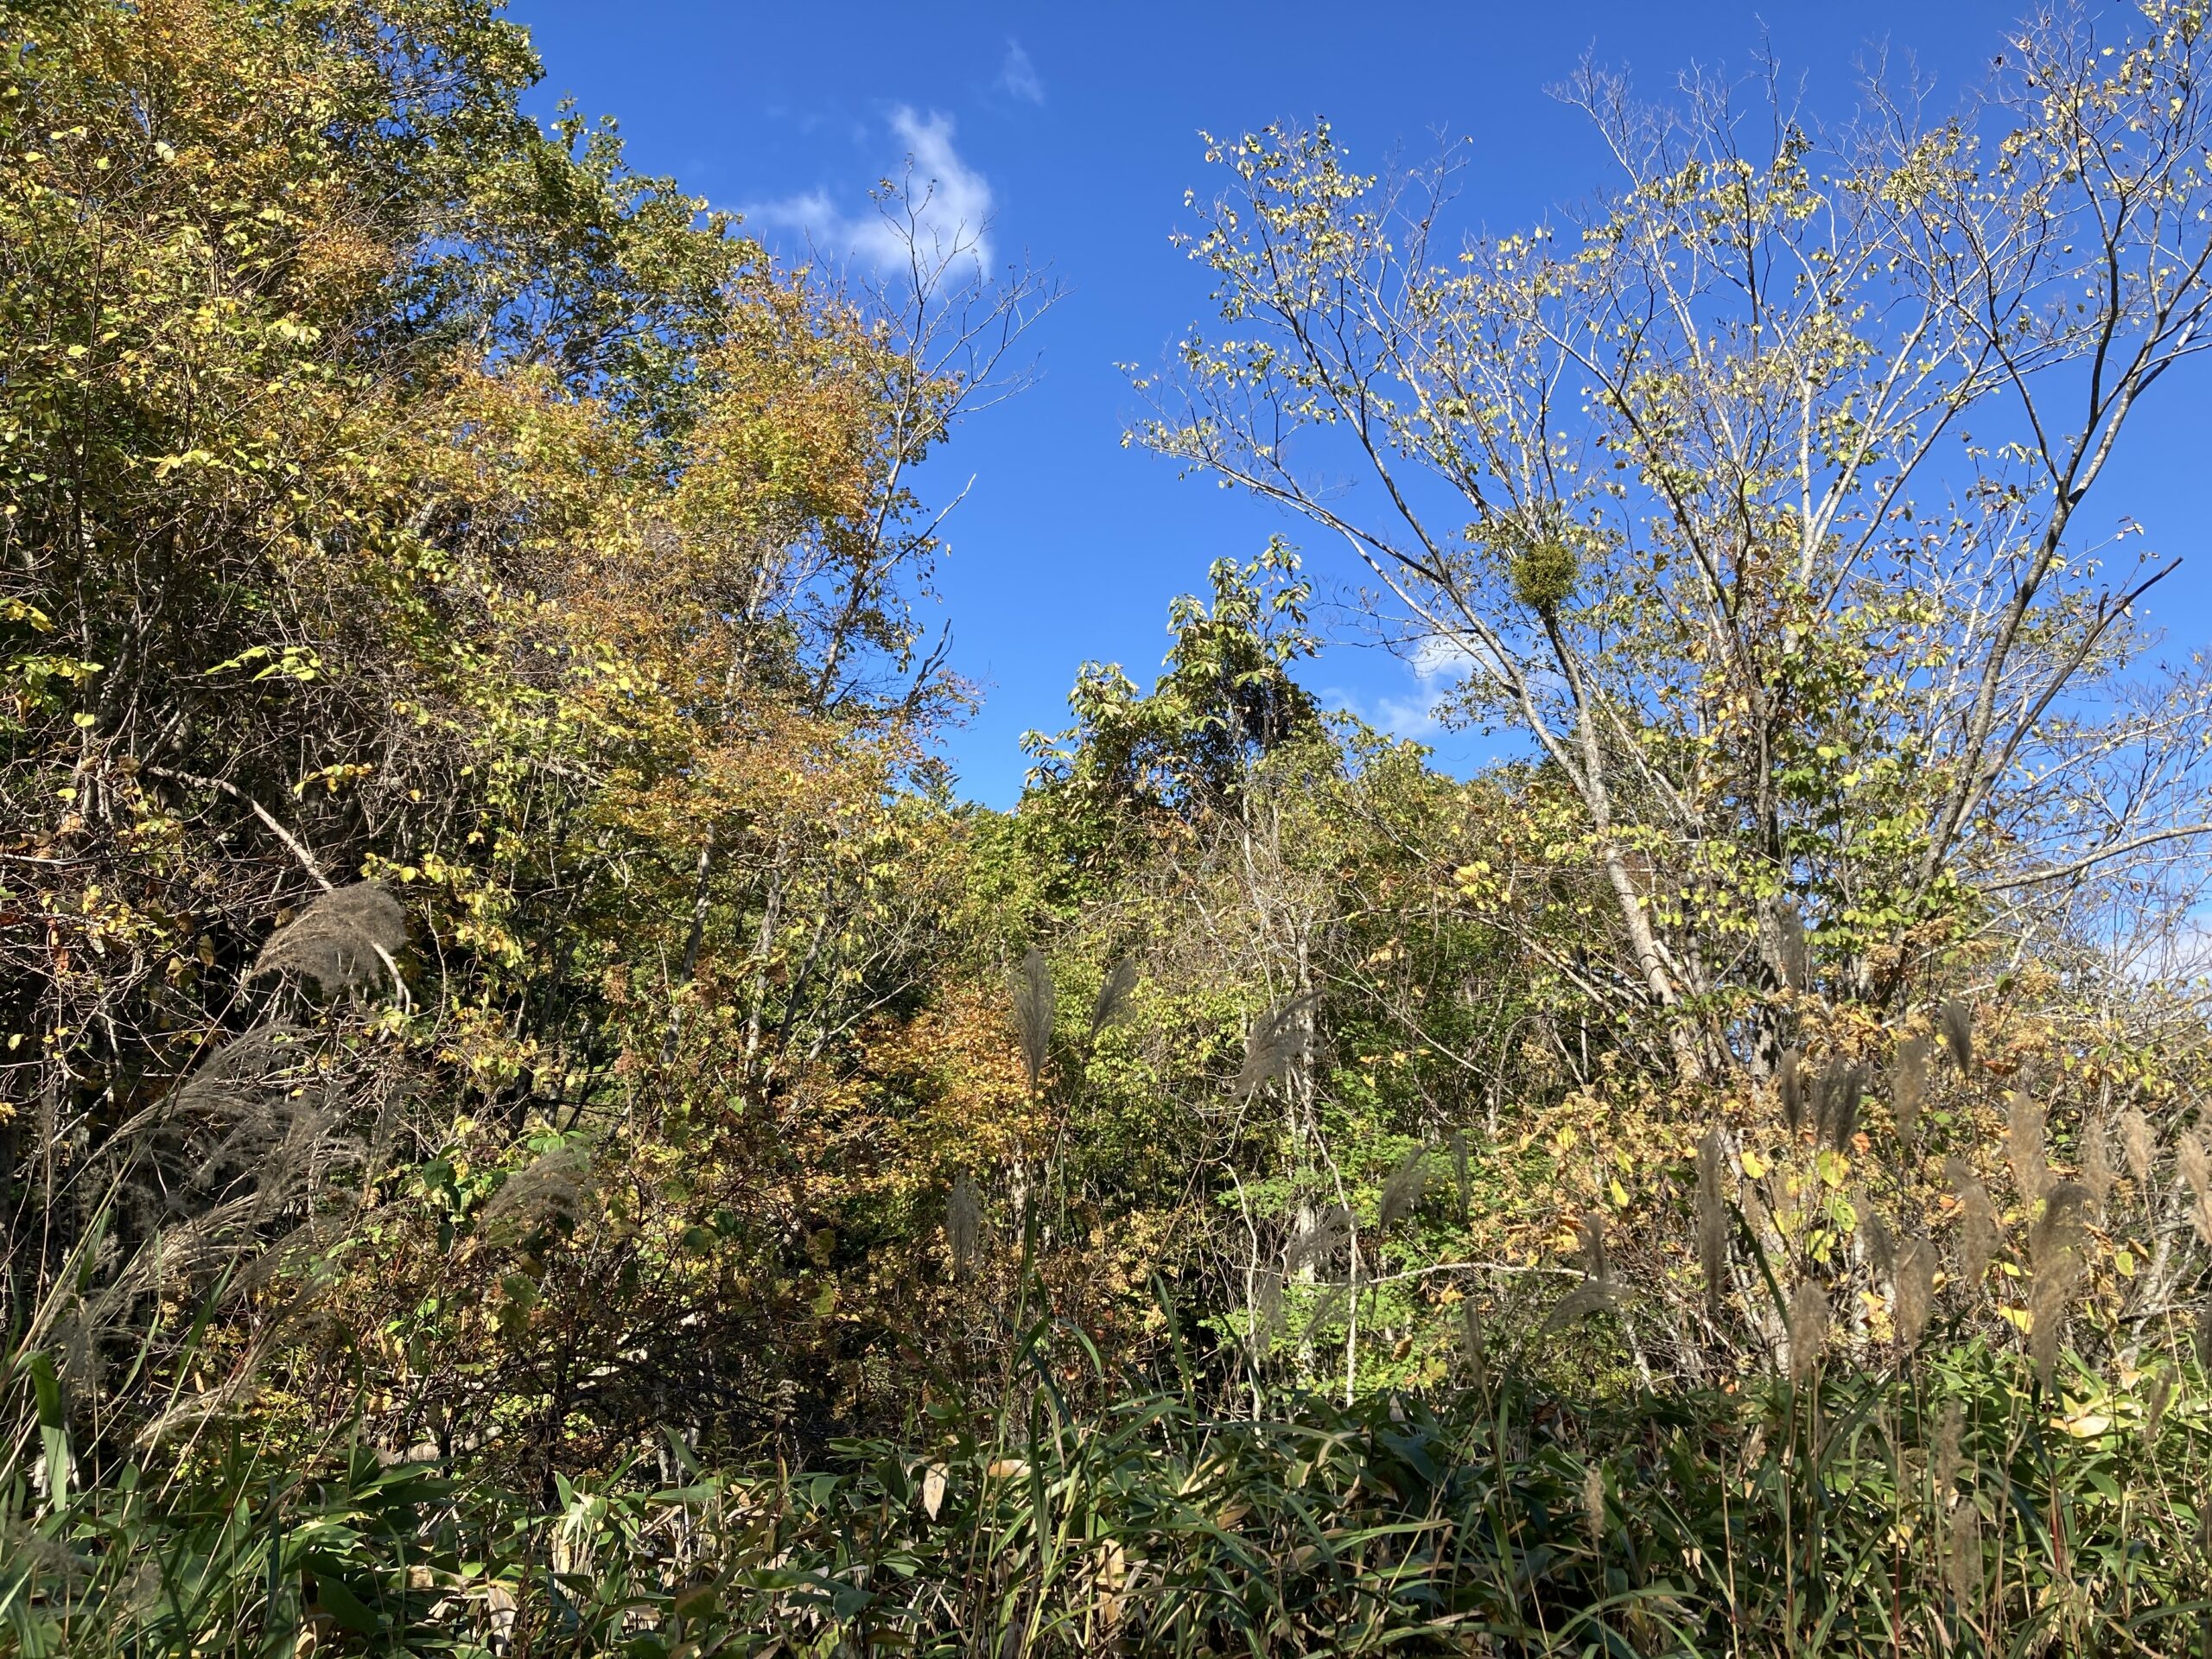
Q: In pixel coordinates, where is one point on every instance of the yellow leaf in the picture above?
(1754, 1166)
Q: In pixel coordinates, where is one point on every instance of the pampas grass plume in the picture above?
(2055, 1255)
(2097, 1173)
(2139, 1146)
(963, 1225)
(1908, 1088)
(1916, 1289)
(1275, 1043)
(1979, 1233)
(1808, 1326)
(2196, 1164)
(1789, 1085)
(2024, 1146)
(1881, 1244)
(1032, 1013)
(1712, 1220)
(1114, 994)
(1958, 1034)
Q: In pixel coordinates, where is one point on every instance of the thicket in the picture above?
(532, 1120)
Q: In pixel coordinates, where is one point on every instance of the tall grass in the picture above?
(1955, 1507)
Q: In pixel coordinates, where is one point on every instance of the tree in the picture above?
(1753, 498)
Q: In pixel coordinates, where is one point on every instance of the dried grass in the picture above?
(2195, 1165)
(1808, 1327)
(2097, 1172)
(1403, 1189)
(551, 1188)
(1597, 1293)
(1950, 1434)
(1789, 1087)
(2139, 1145)
(1712, 1219)
(1915, 1297)
(1908, 1088)
(1594, 1505)
(1275, 1043)
(341, 940)
(1472, 1347)
(1112, 1005)
(1979, 1232)
(2024, 1146)
(2155, 1399)
(1033, 1003)
(2056, 1254)
(1957, 1024)
(1845, 1089)
(964, 1226)
(1880, 1242)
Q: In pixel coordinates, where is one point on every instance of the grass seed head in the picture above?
(2097, 1173)
(1472, 1347)
(1958, 1034)
(2139, 1146)
(1979, 1232)
(343, 939)
(1908, 1088)
(1113, 1003)
(2056, 1255)
(1595, 1261)
(1964, 1556)
(1594, 1505)
(2155, 1399)
(1949, 1434)
(963, 1225)
(2195, 1165)
(1275, 1043)
(1033, 999)
(1402, 1191)
(1881, 1244)
(1847, 1087)
(1808, 1326)
(1712, 1220)
(1916, 1289)
(1267, 1310)
(2024, 1146)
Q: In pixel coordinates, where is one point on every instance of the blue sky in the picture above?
(1080, 126)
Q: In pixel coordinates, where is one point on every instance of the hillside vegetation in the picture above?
(534, 1122)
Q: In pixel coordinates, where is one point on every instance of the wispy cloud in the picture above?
(949, 202)
(1439, 663)
(1440, 659)
(1018, 75)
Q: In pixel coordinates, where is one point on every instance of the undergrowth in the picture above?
(1957, 1506)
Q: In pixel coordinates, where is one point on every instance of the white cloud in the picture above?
(1018, 76)
(1441, 656)
(948, 201)
(1439, 663)
(1413, 717)
(1406, 717)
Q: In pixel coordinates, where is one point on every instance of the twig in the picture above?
(292, 842)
